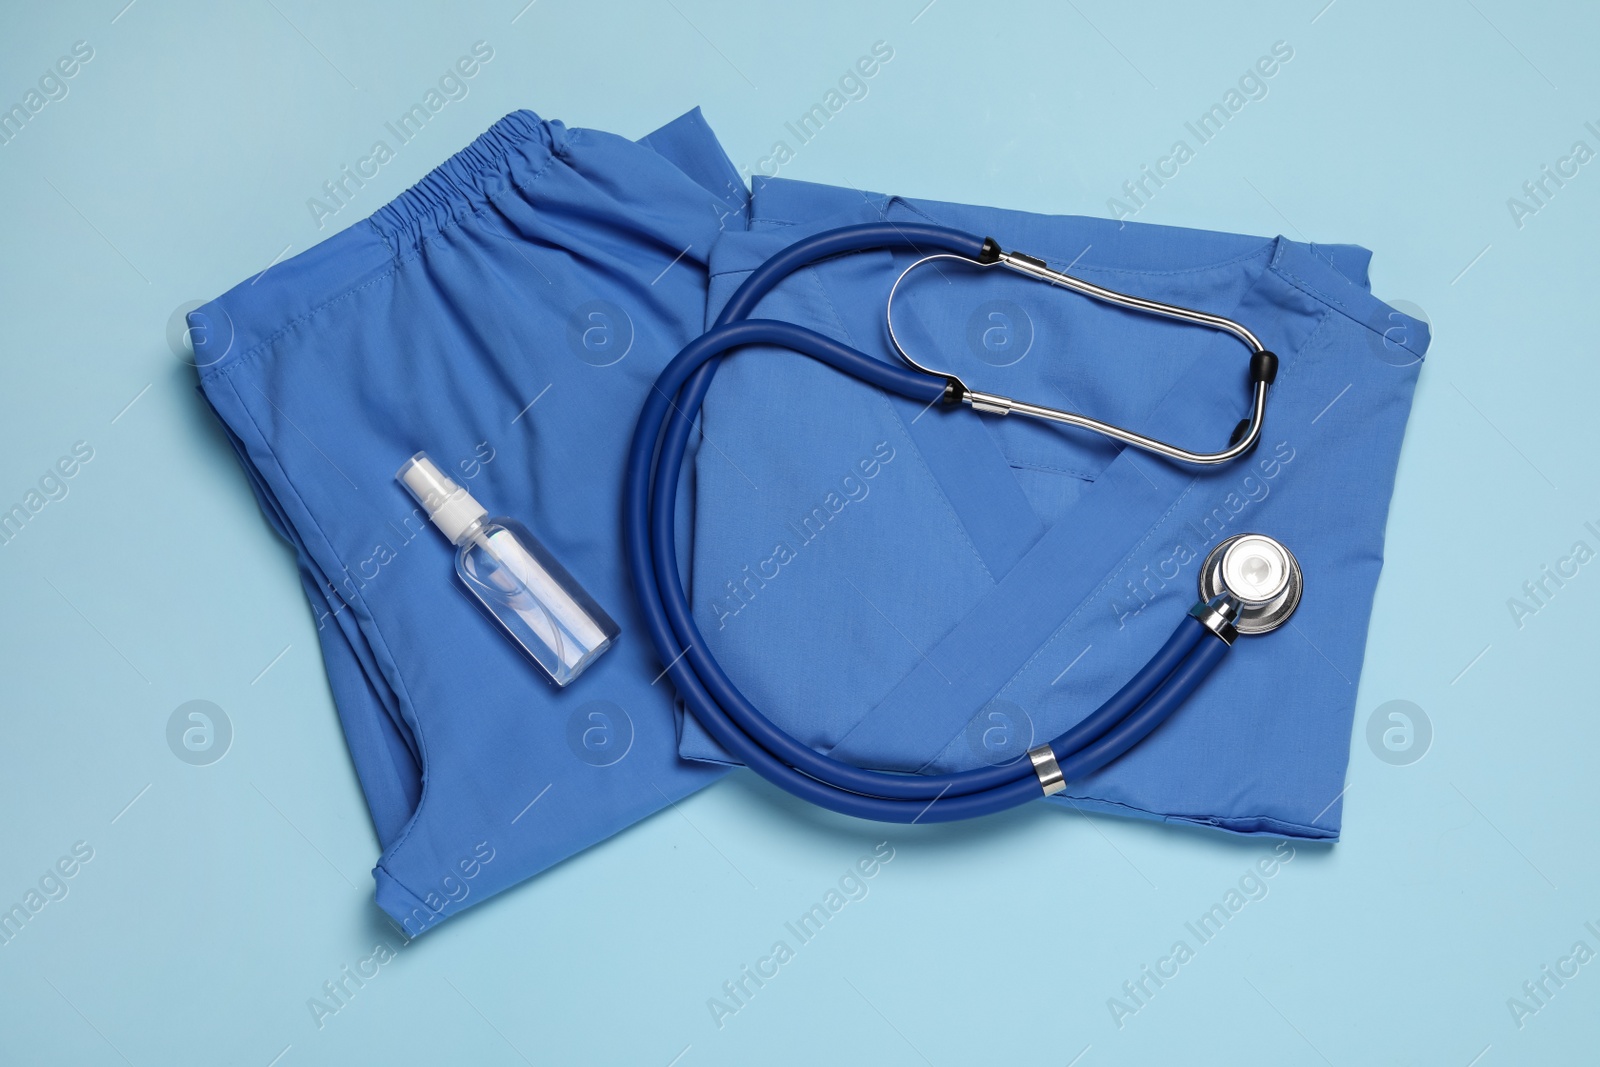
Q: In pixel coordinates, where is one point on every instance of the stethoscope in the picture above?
(1249, 583)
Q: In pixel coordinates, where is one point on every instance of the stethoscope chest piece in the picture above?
(1259, 574)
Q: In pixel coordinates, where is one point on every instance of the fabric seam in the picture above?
(1200, 820)
(1070, 472)
(1334, 304)
(1267, 243)
(377, 635)
(944, 496)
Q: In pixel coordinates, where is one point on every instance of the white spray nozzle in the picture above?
(450, 507)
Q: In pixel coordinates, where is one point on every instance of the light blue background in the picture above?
(221, 898)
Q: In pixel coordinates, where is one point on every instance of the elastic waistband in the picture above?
(512, 151)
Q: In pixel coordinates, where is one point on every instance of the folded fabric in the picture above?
(506, 315)
(925, 589)
(907, 588)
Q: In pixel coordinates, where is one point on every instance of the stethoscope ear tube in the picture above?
(1263, 364)
(654, 464)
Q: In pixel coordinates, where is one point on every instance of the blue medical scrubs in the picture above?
(927, 590)
(506, 315)
(906, 588)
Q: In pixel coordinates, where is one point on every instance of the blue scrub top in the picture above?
(927, 590)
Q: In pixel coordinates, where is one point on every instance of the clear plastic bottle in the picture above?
(536, 601)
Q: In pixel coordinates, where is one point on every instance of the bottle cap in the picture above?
(450, 507)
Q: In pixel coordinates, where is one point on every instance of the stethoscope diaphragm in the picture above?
(1259, 574)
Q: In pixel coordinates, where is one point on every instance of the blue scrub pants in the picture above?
(505, 315)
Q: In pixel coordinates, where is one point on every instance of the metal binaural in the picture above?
(996, 404)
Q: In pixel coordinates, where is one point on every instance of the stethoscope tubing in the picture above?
(655, 460)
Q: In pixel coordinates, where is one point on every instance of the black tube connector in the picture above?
(990, 253)
(953, 391)
(1263, 367)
